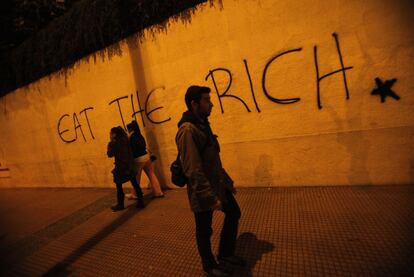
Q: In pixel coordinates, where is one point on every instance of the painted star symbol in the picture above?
(384, 89)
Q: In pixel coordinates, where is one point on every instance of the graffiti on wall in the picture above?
(223, 94)
(77, 125)
(383, 89)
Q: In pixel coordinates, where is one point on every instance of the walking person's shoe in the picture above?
(131, 196)
(232, 261)
(140, 203)
(117, 208)
(158, 196)
(216, 272)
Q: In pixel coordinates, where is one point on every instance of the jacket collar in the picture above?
(188, 116)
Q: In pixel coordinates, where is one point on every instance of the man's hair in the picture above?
(194, 93)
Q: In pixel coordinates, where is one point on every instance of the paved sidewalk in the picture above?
(24, 212)
(318, 231)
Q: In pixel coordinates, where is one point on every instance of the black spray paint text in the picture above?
(73, 124)
(68, 126)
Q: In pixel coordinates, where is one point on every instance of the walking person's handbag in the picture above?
(153, 158)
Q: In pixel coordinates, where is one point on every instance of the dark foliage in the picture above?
(88, 26)
(21, 18)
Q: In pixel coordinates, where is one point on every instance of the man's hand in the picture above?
(217, 206)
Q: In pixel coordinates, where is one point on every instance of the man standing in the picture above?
(209, 187)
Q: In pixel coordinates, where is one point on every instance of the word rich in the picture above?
(319, 78)
(82, 118)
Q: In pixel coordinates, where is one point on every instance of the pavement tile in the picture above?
(304, 231)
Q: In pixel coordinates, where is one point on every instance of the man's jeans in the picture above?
(228, 233)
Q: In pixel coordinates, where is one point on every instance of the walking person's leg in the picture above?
(228, 237)
(155, 184)
(138, 191)
(139, 167)
(120, 198)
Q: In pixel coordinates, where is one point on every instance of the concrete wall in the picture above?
(268, 48)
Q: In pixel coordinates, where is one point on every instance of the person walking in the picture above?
(124, 171)
(142, 160)
(209, 187)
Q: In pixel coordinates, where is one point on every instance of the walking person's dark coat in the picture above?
(124, 161)
(124, 170)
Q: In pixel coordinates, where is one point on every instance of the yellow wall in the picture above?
(354, 141)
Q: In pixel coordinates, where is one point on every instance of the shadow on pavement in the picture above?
(63, 268)
(252, 249)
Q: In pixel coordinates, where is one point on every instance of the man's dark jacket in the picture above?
(200, 156)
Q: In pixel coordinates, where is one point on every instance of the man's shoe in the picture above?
(140, 204)
(117, 208)
(225, 267)
(232, 260)
(216, 272)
